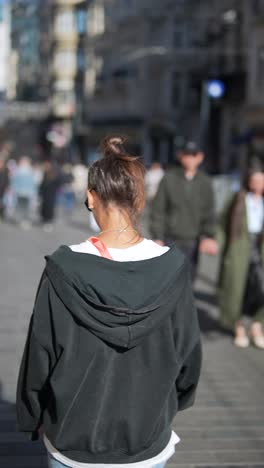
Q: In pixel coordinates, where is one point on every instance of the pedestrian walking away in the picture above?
(152, 180)
(4, 184)
(113, 350)
(241, 284)
(48, 194)
(183, 210)
(24, 187)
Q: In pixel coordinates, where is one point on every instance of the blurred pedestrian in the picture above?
(24, 188)
(183, 210)
(38, 173)
(113, 348)
(10, 196)
(67, 190)
(242, 274)
(4, 184)
(80, 174)
(48, 190)
(38, 177)
(152, 180)
(6, 150)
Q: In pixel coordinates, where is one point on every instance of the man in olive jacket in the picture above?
(183, 210)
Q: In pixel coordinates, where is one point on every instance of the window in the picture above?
(96, 20)
(193, 95)
(178, 37)
(65, 59)
(176, 90)
(179, 34)
(260, 68)
(125, 72)
(28, 47)
(90, 81)
(81, 62)
(63, 85)
(81, 18)
(258, 7)
(125, 9)
(64, 22)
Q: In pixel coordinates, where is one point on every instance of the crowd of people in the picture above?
(183, 213)
(31, 191)
(180, 210)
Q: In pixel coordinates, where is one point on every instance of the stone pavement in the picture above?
(225, 428)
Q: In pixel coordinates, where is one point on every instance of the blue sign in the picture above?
(215, 89)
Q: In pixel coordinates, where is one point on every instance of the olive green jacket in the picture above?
(183, 210)
(233, 271)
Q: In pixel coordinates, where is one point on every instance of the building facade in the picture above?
(149, 62)
(140, 68)
(30, 42)
(5, 24)
(68, 61)
(253, 112)
(46, 66)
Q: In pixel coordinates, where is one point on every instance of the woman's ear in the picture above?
(90, 199)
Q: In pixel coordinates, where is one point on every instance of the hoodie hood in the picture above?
(119, 302)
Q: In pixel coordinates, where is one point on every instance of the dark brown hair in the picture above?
(118, 177)
(255, 168)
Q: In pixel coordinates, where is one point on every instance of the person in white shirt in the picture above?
(152, 179)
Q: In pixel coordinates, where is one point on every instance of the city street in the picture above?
(179, 87)
(226, 426)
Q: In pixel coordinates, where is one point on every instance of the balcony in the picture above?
(67, 2)
(69, 39)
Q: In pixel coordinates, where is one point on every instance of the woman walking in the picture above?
(242, 275)
(113, 348)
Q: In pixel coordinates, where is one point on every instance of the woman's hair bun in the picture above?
(114, 147)
(118, 177)
(115, 143)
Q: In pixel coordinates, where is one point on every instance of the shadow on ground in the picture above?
(208, 323)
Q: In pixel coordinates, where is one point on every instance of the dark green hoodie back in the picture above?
(113, 352)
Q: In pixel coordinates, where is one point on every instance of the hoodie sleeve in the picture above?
(190, 348)
(188, 378)
(37, 361)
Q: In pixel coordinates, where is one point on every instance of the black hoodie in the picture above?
(113, 352)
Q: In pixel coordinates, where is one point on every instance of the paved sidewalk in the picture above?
(225, 428)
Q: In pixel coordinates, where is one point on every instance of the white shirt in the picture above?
(142, 251)
(255, 213)
(152, 180)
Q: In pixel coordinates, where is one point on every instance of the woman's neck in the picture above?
(117, 231)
